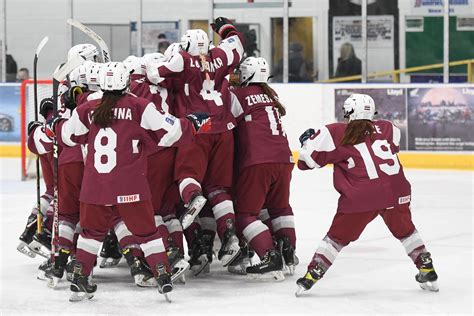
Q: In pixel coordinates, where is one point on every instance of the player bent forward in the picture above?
(117, 129)
(371, 181)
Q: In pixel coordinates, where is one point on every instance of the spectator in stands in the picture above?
(348, 64)
(23, 74)
(297, 66)
(11, 66)
(163, 43)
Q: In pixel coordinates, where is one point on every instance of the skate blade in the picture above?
(182, 280)
(42, 276)
(269, 276)
(109, 262)
(145, 281)
(193, 212)
(53, 282)
(179, 269)
(36, 247)
(69, 276)
(23, 248)
(167, 297)
(430, 286)
(80, 296)
(299, 291)
(291, 269)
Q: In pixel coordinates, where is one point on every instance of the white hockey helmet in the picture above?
(173, 49)
(78, 77)
(195, 42)
(89, 51)
(153, 59)
(135, 65)
(93, 75)
(114, 76)
(254, 69)
(359, 107)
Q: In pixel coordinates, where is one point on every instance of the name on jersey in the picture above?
(210, 66)
(128, 198)
(119, 114)
(257, 98)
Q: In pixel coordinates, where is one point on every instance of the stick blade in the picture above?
(41, 45)
(61, 73)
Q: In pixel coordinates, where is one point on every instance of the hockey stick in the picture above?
(39, 216)
(59, 75)
(103, 46)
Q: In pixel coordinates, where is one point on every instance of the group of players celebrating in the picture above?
(189, 144)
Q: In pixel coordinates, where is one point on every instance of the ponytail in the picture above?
(356, 132)
(103, 114)
(272, 95)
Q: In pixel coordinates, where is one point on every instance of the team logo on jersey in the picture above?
(128, 198)
(169, 120)
(404, 199)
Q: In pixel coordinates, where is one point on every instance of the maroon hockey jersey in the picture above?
(201, 88)
(260, 136)
(116, 164)
(368, 175)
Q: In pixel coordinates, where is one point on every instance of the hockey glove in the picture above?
(50, 127)
(306, 135)
(70, 97)
(201, 121)
(223, 26)
(46, 106)
(32, 125)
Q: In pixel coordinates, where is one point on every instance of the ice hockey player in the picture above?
(199, 77)
(116, 130)
(264, 163)
(370, 179)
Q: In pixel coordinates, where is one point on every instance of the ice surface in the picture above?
(373, 275)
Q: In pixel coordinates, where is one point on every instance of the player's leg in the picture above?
(139, 219)
(252, 186)
(95, 222)
(345, 228)
(217, 189)
(400, 224)
(281, 214)
(168, 211)
(201, 249)
(190, 167)
(70, 182)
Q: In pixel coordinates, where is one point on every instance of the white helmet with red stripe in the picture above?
(78, 77)
(254, 69)
(114, 77)
(135, 65)
(359, 107)
(195, 42)
(93, 76)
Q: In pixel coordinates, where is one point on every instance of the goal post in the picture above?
(27, 114)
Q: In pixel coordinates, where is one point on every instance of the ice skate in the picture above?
(270, 266)
(81, 287)
(427, 276)
(288, 253)
(43, 270)
(239, 266)
(177, 263)
(57, 272)
(164, 281)
(26, 237)
(230, 249)
(140, 271)
(198, 259)
(192, 209)
(311, 277)
(70, 268)
(110, 252)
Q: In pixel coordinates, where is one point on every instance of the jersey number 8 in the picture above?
(105, 156)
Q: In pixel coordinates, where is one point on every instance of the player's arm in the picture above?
(172, 131)
(236, 107)
(317, 149)
(232, 41)
(72, 131)
(172, 68)
(396, 136)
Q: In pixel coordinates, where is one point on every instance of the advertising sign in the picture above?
(440, 118)
(10, 124)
